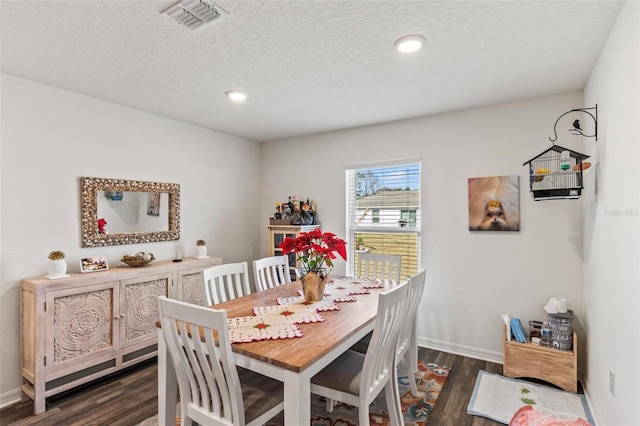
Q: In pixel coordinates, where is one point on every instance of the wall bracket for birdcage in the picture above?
(577, 129)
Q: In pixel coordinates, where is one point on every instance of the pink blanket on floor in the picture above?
(527, 416)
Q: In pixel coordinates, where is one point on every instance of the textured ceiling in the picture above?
(308, 66)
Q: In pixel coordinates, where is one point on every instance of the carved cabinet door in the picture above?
(139, 312)
(191, 287)
(81, 326)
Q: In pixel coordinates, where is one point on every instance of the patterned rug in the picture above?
(430, 379)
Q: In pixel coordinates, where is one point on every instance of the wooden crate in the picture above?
(537, 362)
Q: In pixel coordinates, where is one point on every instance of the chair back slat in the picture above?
(380, 357)
(378, 266)
(226, 282)
(414, 296)
(271, 272)
(207, 376)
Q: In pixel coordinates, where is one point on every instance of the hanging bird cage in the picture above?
(556, 174)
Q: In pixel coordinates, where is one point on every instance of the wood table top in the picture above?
(298, 353)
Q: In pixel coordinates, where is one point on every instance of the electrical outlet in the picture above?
(612, 382)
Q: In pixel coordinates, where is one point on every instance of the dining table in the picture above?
(294, 360)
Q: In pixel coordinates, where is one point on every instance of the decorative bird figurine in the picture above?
(576, 125)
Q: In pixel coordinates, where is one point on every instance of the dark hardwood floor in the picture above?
(130, 397)
(451, 406)
(126, 398)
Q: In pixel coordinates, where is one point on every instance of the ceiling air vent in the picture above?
(195, 14)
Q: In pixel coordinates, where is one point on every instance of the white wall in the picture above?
(611, 230)
(471, 277)
(52, 137)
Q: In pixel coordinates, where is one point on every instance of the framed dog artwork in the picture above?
(494, 203)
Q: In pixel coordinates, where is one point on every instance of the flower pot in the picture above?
(57, 268)
(201, 252)
(312, 284)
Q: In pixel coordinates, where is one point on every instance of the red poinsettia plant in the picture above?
(315, 249)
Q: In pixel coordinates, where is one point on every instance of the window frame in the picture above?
(351, 219)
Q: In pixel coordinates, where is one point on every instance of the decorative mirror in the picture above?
(117, 211)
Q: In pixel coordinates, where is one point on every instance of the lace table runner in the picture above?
(248, 329)
(280, 321)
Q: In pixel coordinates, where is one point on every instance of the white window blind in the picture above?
(383, 212)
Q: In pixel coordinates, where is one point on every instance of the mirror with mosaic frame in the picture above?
(119, 211)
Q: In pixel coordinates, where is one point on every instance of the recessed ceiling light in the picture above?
(236, 95)
(410, 43)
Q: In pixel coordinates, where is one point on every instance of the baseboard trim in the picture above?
(456, 349)
(10, 398)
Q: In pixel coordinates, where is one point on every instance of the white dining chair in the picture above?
(213, 391)
(225, 282)
(407, 348)
(271, 272)
(378, 266)
(357, 379)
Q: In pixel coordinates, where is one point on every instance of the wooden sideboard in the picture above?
(77, 329)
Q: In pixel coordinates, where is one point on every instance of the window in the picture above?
(408, 217)
(383, 212)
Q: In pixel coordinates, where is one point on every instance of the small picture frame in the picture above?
(93, 264)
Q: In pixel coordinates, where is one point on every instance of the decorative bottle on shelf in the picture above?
(545, 332)
(290, 205)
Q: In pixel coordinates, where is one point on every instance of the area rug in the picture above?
(430, 379)
(498, 398)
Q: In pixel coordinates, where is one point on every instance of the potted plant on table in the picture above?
(315, 250)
